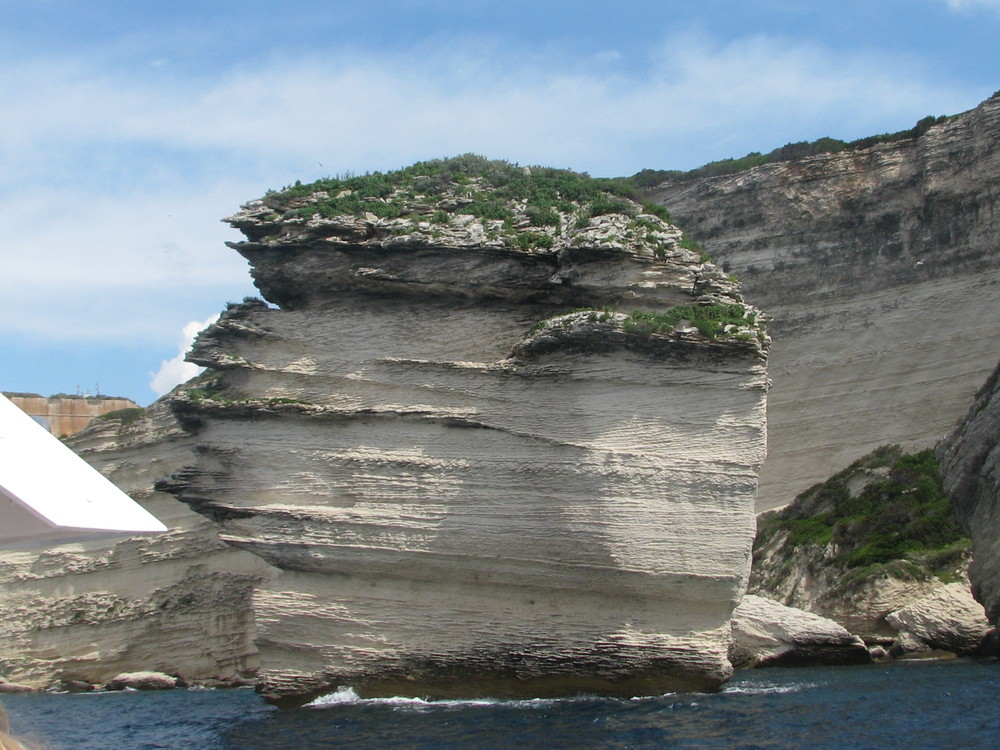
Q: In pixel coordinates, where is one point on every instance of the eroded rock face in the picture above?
(468, 490)
(879, 270)
(178, 602)
(970, 469)
(948, 619)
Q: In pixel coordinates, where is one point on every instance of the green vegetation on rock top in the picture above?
(487, 189)
(125, 416)
(650, 178)
(711, 320)
(901, 513)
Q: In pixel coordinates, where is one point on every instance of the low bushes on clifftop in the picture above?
(486, 189)
(711, 320)
(650, 178)
(886, 507)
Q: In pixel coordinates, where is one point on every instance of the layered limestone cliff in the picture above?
(970, 468)
(471, 488)
(178, 602)
(880, 271)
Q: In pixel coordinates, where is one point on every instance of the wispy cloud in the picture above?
(115, 181)
(175, 371)
(360, 110)
(992, 5)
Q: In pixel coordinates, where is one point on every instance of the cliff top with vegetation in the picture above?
(360, 233)
(468, 200)
(491, 188)
(650, 178)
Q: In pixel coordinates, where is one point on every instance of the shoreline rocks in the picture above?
(769, 634)
(949, 619)
(143, 681)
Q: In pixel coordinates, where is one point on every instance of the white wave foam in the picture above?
(767, 689)
(345, 696)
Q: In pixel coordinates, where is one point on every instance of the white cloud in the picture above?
(175, 371)
(359, 112)
(115, 181)
(960, 5)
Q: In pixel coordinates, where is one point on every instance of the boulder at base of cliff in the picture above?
(142, 681)
(949, 619)
(769, 634)
(13, 687)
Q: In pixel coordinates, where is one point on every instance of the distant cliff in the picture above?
(501, 436)
(177, 602)
(879, 268)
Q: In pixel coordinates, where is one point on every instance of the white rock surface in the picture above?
(949, 619)
(457, 509)
(144, 680)
(766, 633)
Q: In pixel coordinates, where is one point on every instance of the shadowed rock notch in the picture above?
(970, 469)
(501, 435)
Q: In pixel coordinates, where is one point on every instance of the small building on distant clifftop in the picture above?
(64, 415)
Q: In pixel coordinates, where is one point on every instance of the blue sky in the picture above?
(129, 129)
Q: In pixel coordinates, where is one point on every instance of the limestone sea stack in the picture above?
(500, 432)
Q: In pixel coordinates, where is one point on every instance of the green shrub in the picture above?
(544, 190)
(902, 516)
(542, 215)
(603, 204)
(530, 240)
(711, 320)
(126, 416)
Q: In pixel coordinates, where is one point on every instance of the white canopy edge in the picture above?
(48, 493)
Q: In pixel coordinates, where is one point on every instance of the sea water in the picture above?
(915, 704)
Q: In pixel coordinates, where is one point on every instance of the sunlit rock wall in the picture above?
(468, 490)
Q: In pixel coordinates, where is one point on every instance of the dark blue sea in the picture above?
(939, 704)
